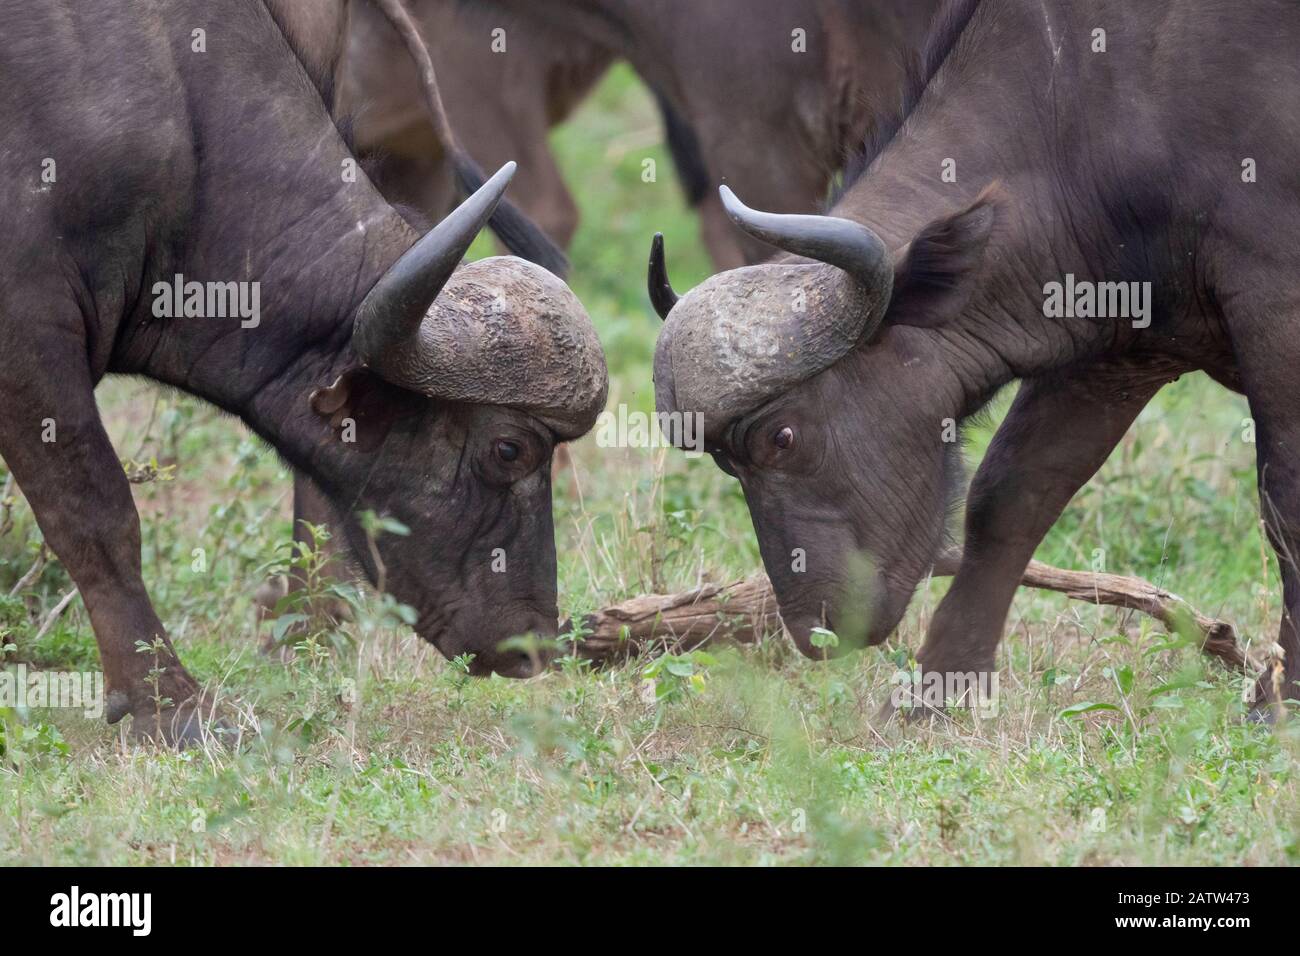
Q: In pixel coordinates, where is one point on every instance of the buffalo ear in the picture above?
(328, 399)
(934, 274)
(361, 407)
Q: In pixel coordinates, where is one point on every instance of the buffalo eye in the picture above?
(507, 451)
(783, 438)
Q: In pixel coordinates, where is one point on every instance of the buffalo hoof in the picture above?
(1267, 705)
(1264, 714)
(1264, 711)
(910, 712)
(194, 723)
(944, 682)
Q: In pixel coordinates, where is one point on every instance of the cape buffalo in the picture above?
(501, 101)
(181, 155)
(773, 97)
(1098, 142)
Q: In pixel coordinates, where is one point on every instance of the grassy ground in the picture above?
(375, 750)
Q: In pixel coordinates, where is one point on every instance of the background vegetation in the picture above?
(1114, 743)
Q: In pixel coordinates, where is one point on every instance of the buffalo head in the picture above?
(467, 379)
(807, 373)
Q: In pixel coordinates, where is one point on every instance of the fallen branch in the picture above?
(742, 612)
(1218, 638)
(746, 610)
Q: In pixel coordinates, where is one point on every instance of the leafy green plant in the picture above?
(676, 675)
(22, 741)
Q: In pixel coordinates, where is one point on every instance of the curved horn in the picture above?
(848, 245)
(391, 313)
(662, 295)
(736, 340)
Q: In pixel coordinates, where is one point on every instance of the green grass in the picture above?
(379, 751)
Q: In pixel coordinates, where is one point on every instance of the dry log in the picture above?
(746, 610)
(743, 612)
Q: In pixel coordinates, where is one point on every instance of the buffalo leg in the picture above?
(1058, 432)
(309, 506)
(1277, 437)
(67, 468)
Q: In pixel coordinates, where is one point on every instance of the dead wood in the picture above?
(744, 611)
